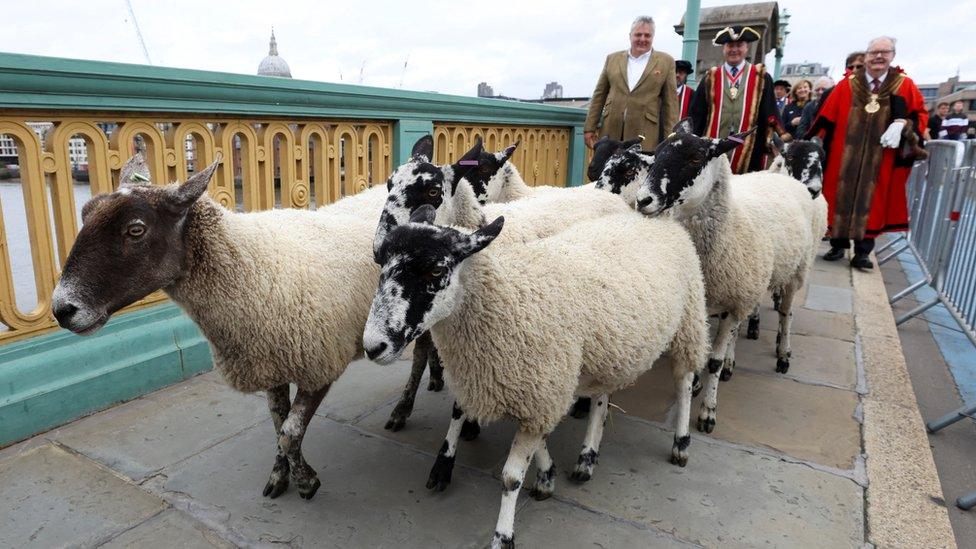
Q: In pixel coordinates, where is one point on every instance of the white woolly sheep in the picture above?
(588, 330)
(451, 190)
(753, 234)
(282, 296)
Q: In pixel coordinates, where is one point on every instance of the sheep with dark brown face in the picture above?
(282, 296)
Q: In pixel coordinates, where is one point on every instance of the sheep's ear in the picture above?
(510, 150)
(816, 140)
(186, 194)
(629, 144)
(423, 149)
(636, 147)
(424, 214)
(476, 241)
(779, 146)
(134, 172)
(683, 126)
(466, 163)
(722, 146)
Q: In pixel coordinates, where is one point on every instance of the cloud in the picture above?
(516, 46)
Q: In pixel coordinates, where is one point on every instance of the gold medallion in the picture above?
(873, 106)
(733, 92)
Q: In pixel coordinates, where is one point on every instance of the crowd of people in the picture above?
(872, 124)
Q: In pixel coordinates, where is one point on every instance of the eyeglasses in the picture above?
(876, 53)
(854, 67)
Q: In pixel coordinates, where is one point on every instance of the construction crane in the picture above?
(132, 14)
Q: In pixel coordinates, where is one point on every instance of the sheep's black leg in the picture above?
(279, 405)
(783, 350)
(752, 330)
(292, 434)
(443, 469)
(421, 351)
(436, 381)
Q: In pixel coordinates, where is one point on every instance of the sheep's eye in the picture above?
(485, 169)
(437, 273)
(631, 173)
(433, 192)
(136, 230)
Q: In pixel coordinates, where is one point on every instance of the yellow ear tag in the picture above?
(139, 177)
(671, 135)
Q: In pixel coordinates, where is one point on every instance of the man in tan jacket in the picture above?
(635, 93)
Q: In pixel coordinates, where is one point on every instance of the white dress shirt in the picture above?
(881, 79)
(740, 66)
(635, 67)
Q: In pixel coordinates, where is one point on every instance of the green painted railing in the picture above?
(49, 376)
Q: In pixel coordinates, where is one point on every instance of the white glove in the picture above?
(892, 136)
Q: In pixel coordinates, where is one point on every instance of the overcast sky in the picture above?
(516, 46)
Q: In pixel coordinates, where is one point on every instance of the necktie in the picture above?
(734, 71)
(875, 85)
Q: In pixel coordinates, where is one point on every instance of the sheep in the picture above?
(803, 161)
(753, 234)
(281, 296)
(603, 149)
(457, 192)
(587, 330)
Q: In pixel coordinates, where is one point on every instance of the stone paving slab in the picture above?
(829, 298)
(725, 497)
(427, 426)
(147, 434)
(52, 497)
(372, 493)
(365, 386)
(814, 359)
(169, 529)
(810, 322)
(804, 421)
(554, 523)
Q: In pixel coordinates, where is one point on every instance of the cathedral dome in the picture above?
(273, 65)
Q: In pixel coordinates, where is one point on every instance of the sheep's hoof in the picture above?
(782, 365)
(679, 451)
(440, 473)
(435, 384)
(545, 483)
(278, 481)
(706, 424)
(395, 423)
(752, 331)
(470, 430)
(581, 408)
(725, 375)
(584, 466)
(696, 385)
(501, 541)
(308, 486)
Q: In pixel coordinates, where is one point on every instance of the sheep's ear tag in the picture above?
(737, 139)
(139, 177)
(467, 163)
(641, 137)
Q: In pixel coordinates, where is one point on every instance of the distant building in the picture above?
(553, 91)
(794, 72)
(77, 152)
(484, 90)
(763, 17)
(273, 64)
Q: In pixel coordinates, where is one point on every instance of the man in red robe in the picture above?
(682, 69)
(866, 117)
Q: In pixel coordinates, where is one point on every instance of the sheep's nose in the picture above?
(63, 311)
(646, 201)
(376, 351)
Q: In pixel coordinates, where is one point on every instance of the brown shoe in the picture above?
(834, 254)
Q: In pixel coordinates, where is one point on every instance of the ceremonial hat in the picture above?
(783, 83)
(682, 66)
(736, 33)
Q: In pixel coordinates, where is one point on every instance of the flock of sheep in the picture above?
(524, 298)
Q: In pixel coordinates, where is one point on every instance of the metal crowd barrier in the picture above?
(942, 237)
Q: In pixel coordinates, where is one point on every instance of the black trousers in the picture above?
(861, 247)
